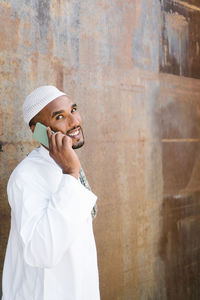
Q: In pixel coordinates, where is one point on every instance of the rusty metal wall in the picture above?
(133, 67)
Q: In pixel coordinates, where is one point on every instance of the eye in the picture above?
(59, 117)
(74, 109)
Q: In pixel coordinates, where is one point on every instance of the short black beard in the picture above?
(79, 145)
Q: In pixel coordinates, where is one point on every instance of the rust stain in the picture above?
(34, 66)
(143, 133)
(1, 123)
(130, 88)
(57, 8)
(187, 5)
(180, 38)
(9, 34)
(180, 140)
(26, 34)
(5, 4)
(181, 233)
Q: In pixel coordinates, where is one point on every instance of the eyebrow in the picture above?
(55, 113)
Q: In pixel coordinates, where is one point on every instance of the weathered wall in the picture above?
(142, 128)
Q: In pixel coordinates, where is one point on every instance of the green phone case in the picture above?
(40, 134)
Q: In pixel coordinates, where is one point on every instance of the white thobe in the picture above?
(51, 252)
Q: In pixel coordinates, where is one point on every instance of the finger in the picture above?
(67, 141)
(58, 139)
(53, 143)
(49, 134)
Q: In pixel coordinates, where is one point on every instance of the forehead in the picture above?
(60, 103)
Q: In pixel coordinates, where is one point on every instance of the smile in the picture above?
(74, 133)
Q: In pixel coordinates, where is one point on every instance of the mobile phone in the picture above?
(40, 134)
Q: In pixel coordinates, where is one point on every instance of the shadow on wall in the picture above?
(179, 245)
(181, 231)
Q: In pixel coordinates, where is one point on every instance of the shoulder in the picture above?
(29, 163)
(34, 168)
(38, 172)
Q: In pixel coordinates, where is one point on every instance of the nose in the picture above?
(73, 121)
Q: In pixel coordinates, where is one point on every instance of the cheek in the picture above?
(59, 126)
(79, 118)
(63, 127)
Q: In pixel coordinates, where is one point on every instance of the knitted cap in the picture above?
(38, 99)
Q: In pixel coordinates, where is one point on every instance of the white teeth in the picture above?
(75, 133)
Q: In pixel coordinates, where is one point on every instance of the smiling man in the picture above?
(51, 252)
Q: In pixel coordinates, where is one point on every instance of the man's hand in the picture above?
(60, 149)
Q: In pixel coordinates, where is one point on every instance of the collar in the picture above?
(45, 154)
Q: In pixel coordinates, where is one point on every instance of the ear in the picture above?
(32, 128)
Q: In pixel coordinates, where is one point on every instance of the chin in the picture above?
(78, 145)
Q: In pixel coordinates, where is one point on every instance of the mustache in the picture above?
(75, 127)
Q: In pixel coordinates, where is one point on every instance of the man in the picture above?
(51, 253)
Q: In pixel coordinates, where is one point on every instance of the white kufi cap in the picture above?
(38, 99)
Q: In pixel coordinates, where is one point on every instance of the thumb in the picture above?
(67, 141)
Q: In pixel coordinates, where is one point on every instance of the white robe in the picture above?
(51, 252)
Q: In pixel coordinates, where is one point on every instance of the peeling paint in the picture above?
(179, 33)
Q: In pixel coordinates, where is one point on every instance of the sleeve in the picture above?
(49, 223)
